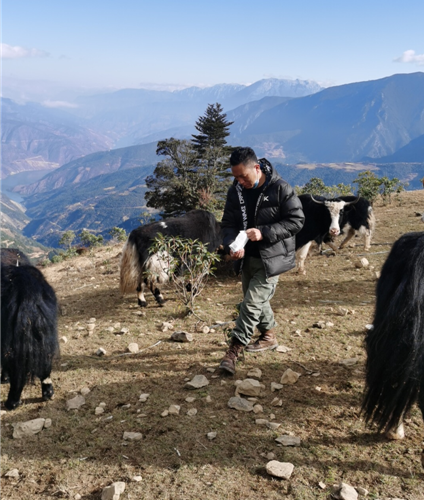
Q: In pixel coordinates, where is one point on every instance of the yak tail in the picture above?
(29, 323)
(131, 269)
(395, 346)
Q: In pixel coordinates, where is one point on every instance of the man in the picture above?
(266, 207)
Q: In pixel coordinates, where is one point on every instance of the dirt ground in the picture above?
(81, 453)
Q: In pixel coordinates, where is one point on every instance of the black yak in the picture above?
(395, 344)
(322, 217)
(28, 326)
(139, 268)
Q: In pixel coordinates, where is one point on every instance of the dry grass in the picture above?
(82, 453)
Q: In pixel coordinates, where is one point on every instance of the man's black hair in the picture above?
(242, 155)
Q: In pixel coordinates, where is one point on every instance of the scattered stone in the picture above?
(255, 373)
(211, 370)
(319, 324)
(182, 337)
(349, 361)
(250, 387)
(126, 407)
(282, 470)
(342, 312)
(277, 402)
(137, 479)
(208, 399)
(84, 391)
(192, 412)
(276, 387)
(377, 275)
(329, 324)
(100, 352)
(133, 348)
(99, 410)
(270, 456)
(165, 326)
(28, 428)
(272, 416)
(397, 433)
(288, 440)
(47, 423)
(273, 426)
(90, 328)
(132, 436)
(322, 485)
(258, 409)
(240, 404)
(206, 329)
(289, 377)
(12, 474)
(77, 497)
(211, 436)
(174, 410)
(362, 491)
(238, 382)
(346, 492)
(91, 320)
(197, 382)
(261, 421)
(143, 397)
(164, 413)
(117, 325)
(75, 403)
(110, 329)
(64, 340)
(102, 404)
(190, 399)
(283, 348)
(362, 263)
(113, 492)
(369, 327)
(3, 412)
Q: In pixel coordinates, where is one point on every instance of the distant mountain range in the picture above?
(333, 134)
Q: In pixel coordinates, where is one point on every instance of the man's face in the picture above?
(246, 175)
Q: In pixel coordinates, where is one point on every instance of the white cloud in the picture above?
(409, 56)
(59, 104)
(17, 52)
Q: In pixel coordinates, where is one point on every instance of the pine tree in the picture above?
(213, 154)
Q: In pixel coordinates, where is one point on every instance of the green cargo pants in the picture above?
(255, 310)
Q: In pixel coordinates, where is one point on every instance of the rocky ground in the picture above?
(135, 407)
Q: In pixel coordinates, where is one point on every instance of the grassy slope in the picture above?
(82, 453)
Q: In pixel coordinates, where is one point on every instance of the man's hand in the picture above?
(237, 255)
(254, 234)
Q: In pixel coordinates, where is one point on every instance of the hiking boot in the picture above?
(266, 342)
(228, 362)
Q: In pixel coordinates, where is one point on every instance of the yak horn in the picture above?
(317, 201)
(352, 202)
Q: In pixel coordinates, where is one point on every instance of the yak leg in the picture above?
(396, 433)
(349, 236)
(47, 391)
(140, 294)
(157, 294)
(301, 255)
(367, 240)
(17, 385)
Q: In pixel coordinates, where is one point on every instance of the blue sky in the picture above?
(133, 43)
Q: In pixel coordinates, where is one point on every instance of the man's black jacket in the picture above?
(279, 216)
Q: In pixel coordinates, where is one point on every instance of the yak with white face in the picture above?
(322, 217)
(140, 269)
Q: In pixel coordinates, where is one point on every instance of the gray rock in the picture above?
(12, 474)
(133, 348)
(143, 397)
(113, 492)
(261, 421)
(277, 402)
(255, 373)
(182, 337)
(288, 440)
(197, 382)
(275, 386)
(100, 352)
(47, 423)
(349, 361)
(283, 348)
(282, 470)
(75, 403)
(132, 436)
(347, 492)
(240, 404)
(250, 387)
(211, 436)
(258, 409)
(174, 410)
(192, 412)
(28, 428)
(84, 391)
(289, 377)
(273, 426)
